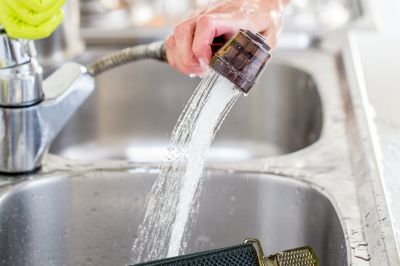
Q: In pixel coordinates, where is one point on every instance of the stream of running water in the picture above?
(172, 203)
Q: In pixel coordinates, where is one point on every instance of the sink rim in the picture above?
(318, 118)
(26, 184)
(336, 166)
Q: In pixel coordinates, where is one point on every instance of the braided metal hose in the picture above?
(154, 50)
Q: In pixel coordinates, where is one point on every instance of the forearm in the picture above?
(267, 5)
(264, 16)
(281, 2)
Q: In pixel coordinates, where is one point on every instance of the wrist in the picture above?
(281, 3)
(272, 12)
(266, 15)
(269, 5)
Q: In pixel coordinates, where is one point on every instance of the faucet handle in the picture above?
(15, 52)
(20, 73)
(26, 133)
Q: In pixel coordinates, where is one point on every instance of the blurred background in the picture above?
(304, 14)
(119, 23)
(156, 17)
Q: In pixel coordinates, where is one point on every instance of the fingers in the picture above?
(18, 29)
(47, 28)
(271, 38)
(174, 60)
(32, 17)
(203, 38)
(170, 48)
(183, 41)
(207, 29)
(191, 42)
(179, 48)
(37, 6)
(272, 33)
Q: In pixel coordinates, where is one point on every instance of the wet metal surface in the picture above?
(324, 162)
(130, 116)
(91, 218)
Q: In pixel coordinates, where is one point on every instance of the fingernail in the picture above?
(204, 67)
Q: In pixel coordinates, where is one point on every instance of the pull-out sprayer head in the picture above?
(242, 59)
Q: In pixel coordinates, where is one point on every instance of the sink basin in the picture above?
(135, 107)
(91, 218)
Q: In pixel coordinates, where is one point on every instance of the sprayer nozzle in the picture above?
(242, 59)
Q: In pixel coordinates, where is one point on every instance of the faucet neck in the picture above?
(32, 112)
(20, 74)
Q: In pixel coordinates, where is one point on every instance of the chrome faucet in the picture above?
(33, 111)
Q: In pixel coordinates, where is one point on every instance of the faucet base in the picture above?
(21, 174)
(27, 132)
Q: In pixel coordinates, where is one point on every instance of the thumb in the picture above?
(207, 29)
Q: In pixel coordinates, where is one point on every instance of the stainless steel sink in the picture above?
(91, 218)
(134, 108)
(288, 167)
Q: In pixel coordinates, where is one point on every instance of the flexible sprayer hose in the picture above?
(241, 60)
(154, 50)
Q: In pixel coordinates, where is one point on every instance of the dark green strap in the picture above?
(242, 255)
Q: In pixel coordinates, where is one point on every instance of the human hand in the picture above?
(190, 43)
(31, 19)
